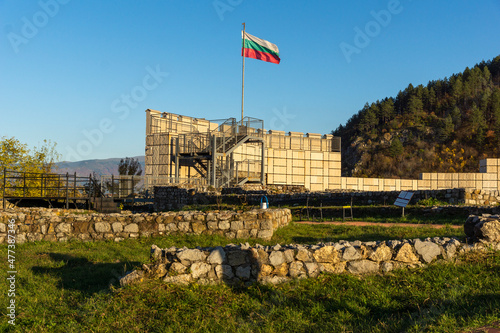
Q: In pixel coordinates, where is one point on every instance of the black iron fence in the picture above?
(49, 186)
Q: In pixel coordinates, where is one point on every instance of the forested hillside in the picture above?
(446, 126)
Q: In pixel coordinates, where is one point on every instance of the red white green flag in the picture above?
(256, 48)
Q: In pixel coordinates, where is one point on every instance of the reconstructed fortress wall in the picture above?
(292, 158)
(487, 179)
(310, 160)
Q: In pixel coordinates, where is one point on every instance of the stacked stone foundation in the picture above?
(243, 264)
(39, 224)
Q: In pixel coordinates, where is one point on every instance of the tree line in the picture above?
(445, 126)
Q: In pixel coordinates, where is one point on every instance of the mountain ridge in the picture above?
(108, 166)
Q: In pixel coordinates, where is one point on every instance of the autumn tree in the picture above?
(17, 156)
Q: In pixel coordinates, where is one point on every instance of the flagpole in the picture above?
(243, 73)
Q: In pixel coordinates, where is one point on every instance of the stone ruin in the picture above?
(244, 264)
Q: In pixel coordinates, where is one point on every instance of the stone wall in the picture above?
(175, 198)
(35, 224)
(171, 198)
(243, 264)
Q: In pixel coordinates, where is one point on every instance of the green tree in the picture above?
(396, 148)
(447, 128)
(495, 112)
(456, 116)
(369, 120)
(129, 167)
(457, 90)
(387, 110)
(478, 124)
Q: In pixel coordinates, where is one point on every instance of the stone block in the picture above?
(265, 234)
(64, 228)
(326, 254)
(362, 267)
(198, 227)
(217, 256)
(117, 227)
(297, 269)
(184, 226)
(243, 272)
(132, 227)
(191, 255)
(237, 257)
(200, 269)
(276, 258)
(428, 250)
(381, 253)
(405, 254)
(102, 227)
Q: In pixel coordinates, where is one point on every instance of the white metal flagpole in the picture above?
(243, 74)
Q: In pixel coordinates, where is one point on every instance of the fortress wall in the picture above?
(488, 179)
(291, 158)
(295, 158)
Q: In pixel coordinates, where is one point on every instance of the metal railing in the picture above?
(124, 186)
(37, 185)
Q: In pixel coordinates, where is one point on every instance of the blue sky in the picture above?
(82, 73)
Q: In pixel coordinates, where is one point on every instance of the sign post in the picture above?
(403, 200)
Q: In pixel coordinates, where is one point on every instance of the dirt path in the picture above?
(361, 224)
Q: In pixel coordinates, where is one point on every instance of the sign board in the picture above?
(403, 199)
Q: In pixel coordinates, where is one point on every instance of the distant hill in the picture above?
(446, 126)
(107, 166)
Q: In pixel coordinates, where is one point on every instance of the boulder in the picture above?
(362, 267)
(217, 256)
(192, 255)
(327, 254)
(428, 250)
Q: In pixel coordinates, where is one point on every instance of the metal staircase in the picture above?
(211, 154)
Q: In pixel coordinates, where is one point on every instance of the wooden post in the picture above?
(67, 190)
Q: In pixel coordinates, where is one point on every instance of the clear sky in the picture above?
(81, 73)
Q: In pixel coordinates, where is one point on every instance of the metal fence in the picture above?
(36, 185)
(124, 186)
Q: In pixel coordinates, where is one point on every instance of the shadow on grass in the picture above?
(78, 273)
(361, 312)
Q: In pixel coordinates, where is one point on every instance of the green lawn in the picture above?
(72, 287)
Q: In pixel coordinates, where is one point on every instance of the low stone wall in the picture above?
(176, 198)
(237, 264)
(172, 197)
(36, 224)
(482, 197)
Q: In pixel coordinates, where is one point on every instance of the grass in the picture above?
(311, 233)
(384, 214)
(72, 287)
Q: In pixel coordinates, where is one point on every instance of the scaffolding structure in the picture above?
(208, 148)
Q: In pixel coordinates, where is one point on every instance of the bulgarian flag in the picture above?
(256, 48)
